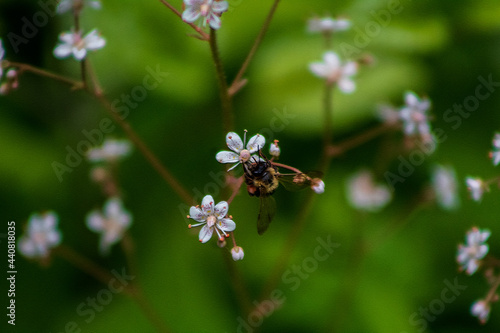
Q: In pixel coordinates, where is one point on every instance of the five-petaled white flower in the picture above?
(445, 185)
(66, 5)
(111, 150)
(414, 116)
(41, 235)
(364, 194)
(495, 154)
(212, 218)
(327, 24)
(476, 187)
(111, 223)
(73, 43)
(468, 255)
(481, 310)
(333, 71)
(239, 154)
(209, 10)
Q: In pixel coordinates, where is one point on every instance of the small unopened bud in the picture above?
(221, 242)
(317, 185)
(274, 150)
(237, 253)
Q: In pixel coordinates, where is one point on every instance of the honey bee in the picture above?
(262, 178)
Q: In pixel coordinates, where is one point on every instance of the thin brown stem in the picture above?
(203, 34)
(493, 291)
(75, 85)
(358, 140)
(279, 165)
(238, 82)
(236, 189)
(227, 114)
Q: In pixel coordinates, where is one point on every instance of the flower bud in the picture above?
(237, 253)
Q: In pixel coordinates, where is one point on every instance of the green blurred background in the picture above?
(435, 48)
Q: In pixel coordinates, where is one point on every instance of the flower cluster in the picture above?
(469, 255)
(11, 80)
(327, 24)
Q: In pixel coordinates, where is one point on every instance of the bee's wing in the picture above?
(287, 180)
(266, 213)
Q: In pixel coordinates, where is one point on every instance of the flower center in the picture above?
(205, 8)
(211, 220)
(244, 155)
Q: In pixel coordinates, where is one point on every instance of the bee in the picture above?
(262, 178)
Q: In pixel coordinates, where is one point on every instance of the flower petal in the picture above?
(221, 209)
(79, 54)
(95, 221)
(234, 142)
(62, 51)
(207, 205)
(347, 85)
(220, 6)
(205, 234)
(197, 214)
(227, 157)
(226, 224)
(256, 143)
(190, 15)
(214, 21)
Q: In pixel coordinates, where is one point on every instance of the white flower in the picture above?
(41, 235)
(111, 150)
(476, 187)
(2, 54)
(73, 43)
(469, 255)
(111, 223)
(66, 5)
(237, 253)
(274, 149)
(328, 24)
(414, 116)
(364, 194)
(481, 310)
(495, 154)
(333, 70)
(238, 154)
(210, 10)
(445, 185)
(212, 218)
(317, 185)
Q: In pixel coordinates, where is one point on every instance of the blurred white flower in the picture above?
(72, 43)
(209, 10)
(495, 154)
(238, 154)
(111, 150)
(212, 218)
(317, 185)
(445, 185)
(237, 253)
(481, 310)
(111, 223)
(334, 71)
(327, 24)
(363, 194)
(66, 5)
(476, 187)
(41, 235)
(469, 255)
(415, 116)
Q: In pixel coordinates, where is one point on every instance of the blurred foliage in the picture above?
(373, 282)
